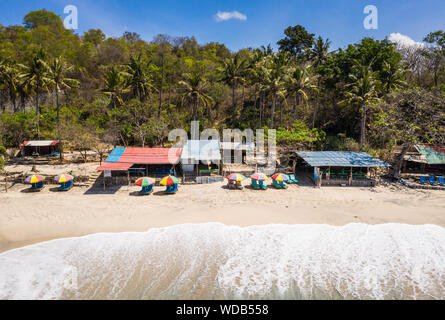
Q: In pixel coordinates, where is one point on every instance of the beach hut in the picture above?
(422, 159)
(340, 167)
(201, 158)
(125, 163)
(37, 148)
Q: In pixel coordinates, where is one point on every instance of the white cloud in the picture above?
(224, 16)
(404, 41)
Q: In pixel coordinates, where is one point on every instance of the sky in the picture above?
(247, 23)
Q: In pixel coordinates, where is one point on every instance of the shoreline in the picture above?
(31, 218)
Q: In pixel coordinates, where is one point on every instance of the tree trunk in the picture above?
(195, 108)
(58, 119)
(37, 114)
(169, 90)
(261, 108)
(160, 91)
(398, 167)
(233, 98)
(363, 128)
(295, 108)
(274, 104)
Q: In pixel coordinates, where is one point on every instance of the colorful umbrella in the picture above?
(280, 177)
(145, 182)
(236, 177)
(259, 177)
(34, 179)
(63, 178)
(169, 180)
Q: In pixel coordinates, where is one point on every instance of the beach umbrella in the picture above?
(145, 182)
(259, 177)
(169, 180)
(280, 177)
(63, 178)
(35, 178)
(236, 177)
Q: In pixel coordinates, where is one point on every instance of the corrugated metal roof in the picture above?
(341, 159)
(145, 155)
(39, 143)
(114, 166)
(432, 154)
(151, 155)
(115, 155)
(201, 150)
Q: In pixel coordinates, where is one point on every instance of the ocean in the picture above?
(215, 261)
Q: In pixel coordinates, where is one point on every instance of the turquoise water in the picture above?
(214, 261)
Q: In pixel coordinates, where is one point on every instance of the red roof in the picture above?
(114, 166)
(39, 143)
(150, 155)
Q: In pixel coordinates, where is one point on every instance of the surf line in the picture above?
(185, 310)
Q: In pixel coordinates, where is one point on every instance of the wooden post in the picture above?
(350, 177)
(6, 181)
(128, 180)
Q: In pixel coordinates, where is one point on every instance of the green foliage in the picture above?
(124, 90)
(300, 135)
(341, 143)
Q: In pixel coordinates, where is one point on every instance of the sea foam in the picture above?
(214, 261)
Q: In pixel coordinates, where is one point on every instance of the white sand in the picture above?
(32, 217)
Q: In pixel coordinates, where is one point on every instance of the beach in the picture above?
(27, 218)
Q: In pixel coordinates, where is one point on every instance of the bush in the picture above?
(341, 143)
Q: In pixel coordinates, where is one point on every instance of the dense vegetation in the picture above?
(89, 89)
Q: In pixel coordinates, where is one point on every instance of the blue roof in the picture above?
(341, 159)
(201, 150)
(115, 155)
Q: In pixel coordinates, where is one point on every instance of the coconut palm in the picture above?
(115, 86)
(36, 78)
(300, 83)
(10, 79)
(233, 73)
(138, 79)
(59, 71)
(195, 86)
(275, 72)
(392, 77)
(362, 92)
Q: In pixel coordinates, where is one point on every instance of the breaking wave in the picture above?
(214, 261)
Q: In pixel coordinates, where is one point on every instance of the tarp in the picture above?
(40, 143)
(201, 150)
(341, 159)
(113, 166)
(433, 154)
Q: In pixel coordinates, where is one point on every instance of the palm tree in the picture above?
(233, 72)
(276, 72)
(195, 89)
(320, 52)
(138, 78)
(36, 78)
(10, 78)
(300, 84)
(59, 70)
(115, 86)
(392, 76)
(363, 91)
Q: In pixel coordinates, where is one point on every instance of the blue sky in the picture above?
(255, 23)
